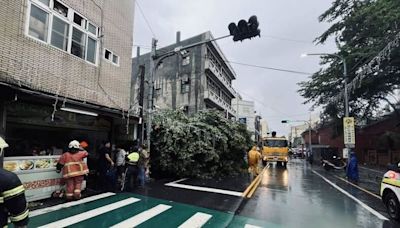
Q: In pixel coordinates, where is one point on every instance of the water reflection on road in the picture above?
(296, 197)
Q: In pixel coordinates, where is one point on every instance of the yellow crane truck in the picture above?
(275, 149)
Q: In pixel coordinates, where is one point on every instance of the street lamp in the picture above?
(346, 99)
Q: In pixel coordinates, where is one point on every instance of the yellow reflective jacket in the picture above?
(133, 158)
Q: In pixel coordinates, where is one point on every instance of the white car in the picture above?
(390, 191)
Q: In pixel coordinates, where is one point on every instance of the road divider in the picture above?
(248, 193)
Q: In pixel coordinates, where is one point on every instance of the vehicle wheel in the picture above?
(393, 206)
(264, 163)
(285, 164)
(278, 164)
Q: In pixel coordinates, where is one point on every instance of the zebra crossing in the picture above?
(130, 210)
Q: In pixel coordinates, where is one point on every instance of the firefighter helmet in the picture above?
(74, 144)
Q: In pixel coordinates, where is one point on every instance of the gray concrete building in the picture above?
(246, 114)
(65, 65)
(193, 80)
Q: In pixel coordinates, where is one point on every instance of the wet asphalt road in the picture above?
(292, 197)
(298, 197)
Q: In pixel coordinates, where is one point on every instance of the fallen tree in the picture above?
(204, 145)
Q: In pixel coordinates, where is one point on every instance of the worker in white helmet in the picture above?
(73, 169)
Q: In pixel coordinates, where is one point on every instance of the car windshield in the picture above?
(275, 143)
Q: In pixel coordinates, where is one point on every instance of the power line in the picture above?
(144, 16)
(262, 103)
(270, 68)
(251, 65)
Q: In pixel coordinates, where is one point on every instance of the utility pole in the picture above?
(150, 104)
(309, 135)
(244, 30)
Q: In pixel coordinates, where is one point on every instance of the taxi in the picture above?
(390, 191)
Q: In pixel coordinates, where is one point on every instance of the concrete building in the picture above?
(246, 114)
(65, 73)
(193, 80)
(296, 131)
(264, 128)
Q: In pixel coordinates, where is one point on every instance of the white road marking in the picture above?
(142, 217)
(69, 204)
(356, 186)
(377, 214)
(251, 226)
(196, 221)
(204, 189)
(90, 214)
(180, 180)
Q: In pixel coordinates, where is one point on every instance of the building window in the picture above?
(111, 57)
(46, 2)
(54, 26)
(91, 50)
(79, 20)
(59, 34)
(115, 59)
(38, 23)
(92, 29)
(185, 84)
(60, 8)
(107, 54)
(185, 88)
(78, 43)
(186, 60)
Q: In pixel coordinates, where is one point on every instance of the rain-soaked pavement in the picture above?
(299, 196)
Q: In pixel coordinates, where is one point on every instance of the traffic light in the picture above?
(244, 29)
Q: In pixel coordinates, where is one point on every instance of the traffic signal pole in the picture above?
(155, 60)
(244, 30)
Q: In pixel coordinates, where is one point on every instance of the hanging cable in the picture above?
(145, 19)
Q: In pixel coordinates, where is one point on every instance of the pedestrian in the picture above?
(13, 205)
(120, 163)
(105, 166)
(73, 169)
(132, 169)
(143, 164)
(352, 169)
(254, 157)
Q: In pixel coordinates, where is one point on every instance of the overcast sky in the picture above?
(288, 28)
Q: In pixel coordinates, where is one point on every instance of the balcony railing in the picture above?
(209, 65)
(219, 101)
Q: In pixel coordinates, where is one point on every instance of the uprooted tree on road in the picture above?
(204, 145)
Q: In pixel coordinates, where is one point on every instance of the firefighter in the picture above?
(13, 204)
(73, 169)
(254, 157)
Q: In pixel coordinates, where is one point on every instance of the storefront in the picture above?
(37, 136)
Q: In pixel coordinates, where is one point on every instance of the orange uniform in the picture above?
(73, 171)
